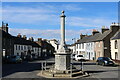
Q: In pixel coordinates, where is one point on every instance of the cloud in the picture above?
(49, 34)
(36, 13)
(42, 13)
(88, 22)
(27, 15)
(26, 9)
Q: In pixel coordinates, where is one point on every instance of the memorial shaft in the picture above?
(62, 17)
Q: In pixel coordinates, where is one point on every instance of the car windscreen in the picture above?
(106, 58)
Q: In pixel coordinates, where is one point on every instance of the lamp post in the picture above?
(74, 40)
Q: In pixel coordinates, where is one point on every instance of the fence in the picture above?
(44, 66)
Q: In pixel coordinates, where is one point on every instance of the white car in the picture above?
(79, 57)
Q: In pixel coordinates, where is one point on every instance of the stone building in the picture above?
(54, 43)
(72, 48)
(47, 49)
(7, 41)
(12, 45)
(97, 44)
(102, 43)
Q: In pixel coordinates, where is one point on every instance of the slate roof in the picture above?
(96, 37)
(102, 36)
(116, 36)
(23, 41)
(5, 34)
(18, 40)
(83, 40)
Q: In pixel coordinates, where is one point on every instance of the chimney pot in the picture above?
(94, 32)
(19, 35)
(104, 29)
(24, 37)
(39, 39)
(31, 39)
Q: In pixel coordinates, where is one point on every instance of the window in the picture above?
(116, 44)
(25, 47)
(116, 55)
(83, 45)
(16, 47)
(99, 44)
(19, 47)
(79, 46)
(77, 52)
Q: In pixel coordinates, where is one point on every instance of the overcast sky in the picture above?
(42, 19)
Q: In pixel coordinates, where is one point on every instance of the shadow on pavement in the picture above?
(94, 71)
(79, 63)
(8, 69)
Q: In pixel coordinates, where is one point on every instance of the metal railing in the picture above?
(71, 69)
(43, 65)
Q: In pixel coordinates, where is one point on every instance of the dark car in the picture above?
(14, 59)
(5, 59)
(104, 61)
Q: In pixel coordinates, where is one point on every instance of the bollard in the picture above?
(71, 69)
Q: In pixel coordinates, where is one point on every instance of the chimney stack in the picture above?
(24, 37)
(4, 27)
(40, 39)
(19, 35)
(31, 39)
(94, 31)
(45, 40)
(82, 36)
(104, 29)
(115, 27)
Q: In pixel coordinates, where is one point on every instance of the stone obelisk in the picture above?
(62, 56)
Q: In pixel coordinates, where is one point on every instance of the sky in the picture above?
(60, 0)
(42, 19)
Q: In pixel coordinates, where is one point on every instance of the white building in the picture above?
(54, 43)
(89, 54)
(115, 46)
(72, 48)
(25, 47)
(81, 46)
(86, 45)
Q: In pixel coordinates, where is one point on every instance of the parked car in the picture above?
(79, 58)
(14, 59)
(5, 59)
(104, 61)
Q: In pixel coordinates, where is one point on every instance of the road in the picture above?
(30, 70)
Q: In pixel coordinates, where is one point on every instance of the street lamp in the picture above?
(74, 40)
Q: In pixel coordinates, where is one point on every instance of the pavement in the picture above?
(31, 69)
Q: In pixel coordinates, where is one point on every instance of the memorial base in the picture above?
(63, 74)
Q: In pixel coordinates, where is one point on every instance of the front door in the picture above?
(116, 55)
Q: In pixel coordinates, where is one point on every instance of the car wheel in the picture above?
(103, 64)
(97, 63)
